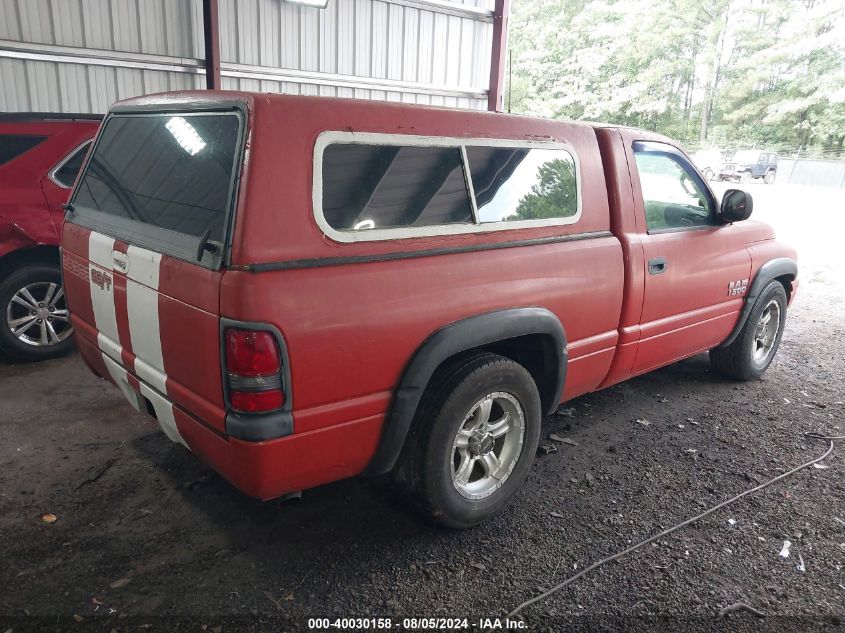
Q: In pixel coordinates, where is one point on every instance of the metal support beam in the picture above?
(211, 32)
(495, 97)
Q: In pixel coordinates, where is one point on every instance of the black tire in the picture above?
(746, 178)
(708, 173)
(769, 178)
(425, 468)
(738, 360)
(11, 347)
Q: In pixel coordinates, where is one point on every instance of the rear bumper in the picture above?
(271, 468)
(262, 469)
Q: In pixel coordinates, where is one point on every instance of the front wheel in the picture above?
(472, 442)
(34, 319)
(755, 347)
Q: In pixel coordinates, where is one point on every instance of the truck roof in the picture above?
(208, 98)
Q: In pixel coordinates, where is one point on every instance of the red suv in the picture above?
(301, 289)
(40, 156)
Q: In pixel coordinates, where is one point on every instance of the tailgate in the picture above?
(142, 255)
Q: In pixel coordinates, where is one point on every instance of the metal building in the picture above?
(82, 55)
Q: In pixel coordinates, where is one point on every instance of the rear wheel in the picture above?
(708, 173)
(34, 319)
(746, 178)
(755, 347)
(769, 178)
(472, 442)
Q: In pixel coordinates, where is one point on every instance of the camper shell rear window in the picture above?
(165, 181)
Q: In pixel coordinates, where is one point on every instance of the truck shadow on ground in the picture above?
(367, 512)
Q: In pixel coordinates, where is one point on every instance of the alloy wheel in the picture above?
(487, 445)
(37, 314)
(767, 331)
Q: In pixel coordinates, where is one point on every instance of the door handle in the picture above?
(657, 266)
(120, 261)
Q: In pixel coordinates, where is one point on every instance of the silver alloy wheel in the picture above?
(37, 314)
(767, 332)
(488, 445)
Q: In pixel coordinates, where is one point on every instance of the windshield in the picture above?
(170, 171)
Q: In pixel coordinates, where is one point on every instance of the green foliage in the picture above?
(733, 72)
(553, 196)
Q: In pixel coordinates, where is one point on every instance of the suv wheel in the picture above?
(746, 177)
(708, 173)
(753, 350)
(472, 442)
(34, 319)
(769, 178)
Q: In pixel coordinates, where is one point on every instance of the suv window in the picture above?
(673, 193)
(391, 186)
(522, 184)
(164, 171)
(65, 175)
(13, 145)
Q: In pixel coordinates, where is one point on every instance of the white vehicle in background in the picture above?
(708, 162)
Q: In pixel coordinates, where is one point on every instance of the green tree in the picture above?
(553, 196)
(736, 72)
(786, 82)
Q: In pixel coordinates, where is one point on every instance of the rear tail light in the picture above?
(253, 371)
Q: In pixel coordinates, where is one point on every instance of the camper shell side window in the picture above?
(371, 187)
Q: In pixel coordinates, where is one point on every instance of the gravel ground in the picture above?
(146, 536)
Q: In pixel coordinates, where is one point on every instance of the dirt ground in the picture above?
(149, 539)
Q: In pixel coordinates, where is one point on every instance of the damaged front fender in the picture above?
(15, 237)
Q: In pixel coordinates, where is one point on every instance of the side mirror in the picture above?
(736, 206)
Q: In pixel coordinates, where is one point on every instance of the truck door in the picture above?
(692, 261)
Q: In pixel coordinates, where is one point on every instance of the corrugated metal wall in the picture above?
(82, 55)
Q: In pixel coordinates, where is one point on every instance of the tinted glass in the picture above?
(523, 184)
(66, 174)
(170, 171)
(673, 197)
(13, 145)
(389, 186)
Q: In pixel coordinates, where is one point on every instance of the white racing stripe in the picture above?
(142, 306)
(164, 414)
(144, 266)
(110, 348)
(118, 374)
(144, 331)
(100, 257)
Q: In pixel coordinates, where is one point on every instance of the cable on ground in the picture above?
(698, 517)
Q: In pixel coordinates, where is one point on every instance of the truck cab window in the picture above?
(673, 195)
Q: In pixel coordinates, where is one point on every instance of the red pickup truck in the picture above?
(305, 289)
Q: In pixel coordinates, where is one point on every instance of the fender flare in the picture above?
(778, 267)
(463, 335)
